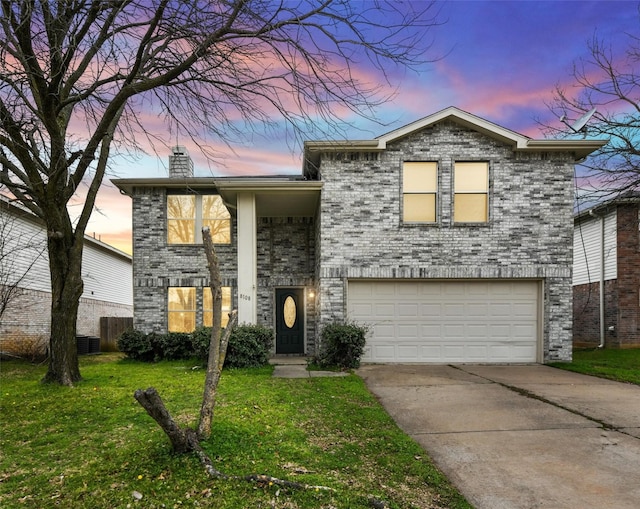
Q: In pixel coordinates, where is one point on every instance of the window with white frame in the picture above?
(419, 192)
(188, 213)
(471, 192)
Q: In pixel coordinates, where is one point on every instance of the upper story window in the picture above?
(471, 192)
(419, 192)
(188, 213)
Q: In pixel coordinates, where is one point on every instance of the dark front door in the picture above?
(289, 320)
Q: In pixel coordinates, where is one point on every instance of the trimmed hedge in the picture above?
(249, 345)
(342, 345)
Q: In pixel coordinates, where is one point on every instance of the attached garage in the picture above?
(448, 321)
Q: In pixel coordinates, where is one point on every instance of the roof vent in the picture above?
(180, 164)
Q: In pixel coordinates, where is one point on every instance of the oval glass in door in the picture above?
(289, 312)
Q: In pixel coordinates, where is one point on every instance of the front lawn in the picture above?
(620, 365)
(94, 446)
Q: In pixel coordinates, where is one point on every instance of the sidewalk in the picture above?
(296, 367)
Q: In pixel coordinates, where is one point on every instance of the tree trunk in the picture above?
(182, 440)
(65, 263)
(214, 370)
(218, 344)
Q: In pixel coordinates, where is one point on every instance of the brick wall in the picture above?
(158, 265)
(627, 326)
(529, 233)
(622, 295)
(26, 322)
(285, 258)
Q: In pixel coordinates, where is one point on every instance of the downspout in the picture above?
(602, 333)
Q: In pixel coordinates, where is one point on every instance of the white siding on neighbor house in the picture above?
(107, 276)
(106, 272)
(24, 257)
(586, 249)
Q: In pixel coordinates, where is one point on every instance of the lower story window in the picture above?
(207, 306)
(184, 306)
(182, 309)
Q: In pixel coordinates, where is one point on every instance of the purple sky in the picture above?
(501, 61)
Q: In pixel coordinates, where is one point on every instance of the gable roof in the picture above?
(519, 142)
(15, 208)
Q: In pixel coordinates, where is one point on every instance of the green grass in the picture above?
(620, 365)
(93, 446)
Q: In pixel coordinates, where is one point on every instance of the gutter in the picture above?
(602, 333)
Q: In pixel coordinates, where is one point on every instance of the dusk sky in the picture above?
(500, 60)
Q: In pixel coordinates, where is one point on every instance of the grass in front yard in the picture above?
(94, 446)
(620, 365)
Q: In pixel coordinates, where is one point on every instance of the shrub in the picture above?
(137, 345)
(200, 341)
(175, 345)
(249, 346)
(342, 345)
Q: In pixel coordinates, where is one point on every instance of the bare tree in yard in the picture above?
(609, 97)
(76, 76)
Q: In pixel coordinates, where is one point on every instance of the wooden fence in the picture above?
(110, 329)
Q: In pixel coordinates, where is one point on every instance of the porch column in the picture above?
(247, 256)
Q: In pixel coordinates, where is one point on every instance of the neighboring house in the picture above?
(607, 235)
(24, 264)
(451, 237)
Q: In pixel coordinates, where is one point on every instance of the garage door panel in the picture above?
(453, 289)
(430, 331)
(384, 310)
(407, 332)
(407, 352)
(453, 331)
(477, 332)
(453, 310)
(447, 321)
(500, 310)
(499, 332)
(384, 331)
(405, 289)
(523, 331)
(477, 310)
(523, 309)
(407, 309)
(430, 309)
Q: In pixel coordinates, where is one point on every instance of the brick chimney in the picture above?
(180, 164)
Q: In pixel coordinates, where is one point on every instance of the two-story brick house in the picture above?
(451, 237)
(606, 277)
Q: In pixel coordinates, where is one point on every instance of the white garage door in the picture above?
(447, 321)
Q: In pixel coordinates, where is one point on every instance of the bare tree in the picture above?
(186, 439)
(76, 76)
(610, 85)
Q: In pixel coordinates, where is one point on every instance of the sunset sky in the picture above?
(500, 60)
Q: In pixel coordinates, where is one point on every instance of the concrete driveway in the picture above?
(520, 436)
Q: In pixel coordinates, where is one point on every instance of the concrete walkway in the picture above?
(520, 436)
(296, 367)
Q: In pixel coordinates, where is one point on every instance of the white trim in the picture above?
(247, 259)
